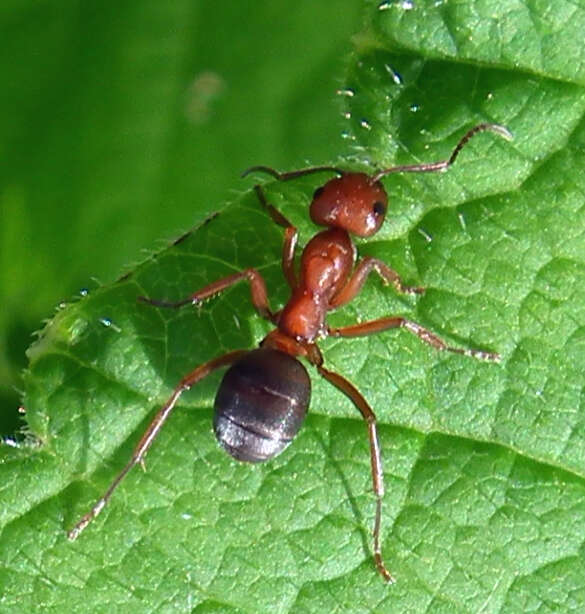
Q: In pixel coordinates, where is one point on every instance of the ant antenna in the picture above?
(292, 174)
(444, 164)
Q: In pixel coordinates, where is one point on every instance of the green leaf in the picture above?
(484, 463)
(125, 123)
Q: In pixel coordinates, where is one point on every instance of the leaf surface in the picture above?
(484, 464)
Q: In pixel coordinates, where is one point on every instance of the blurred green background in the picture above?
(124, 123)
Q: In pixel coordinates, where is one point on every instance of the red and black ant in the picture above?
(264, 396)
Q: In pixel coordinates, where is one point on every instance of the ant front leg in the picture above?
(257, 289)
(360, 275)
(290, 238)
(153, 430)
(377, 326)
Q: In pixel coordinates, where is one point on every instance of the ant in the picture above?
(264, 396)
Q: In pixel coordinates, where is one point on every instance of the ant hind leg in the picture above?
(152, 431)
(355, 396)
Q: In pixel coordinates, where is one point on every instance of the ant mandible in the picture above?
(264, 396)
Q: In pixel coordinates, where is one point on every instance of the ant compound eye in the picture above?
(379, 208)
(318, 192)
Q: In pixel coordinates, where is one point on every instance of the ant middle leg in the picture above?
(290, 238)
(359, 276)
(425, 335)
(258, 293)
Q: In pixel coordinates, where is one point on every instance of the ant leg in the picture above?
(257, 290)
(290, 238)
(368, 415)
(376, 326)
(153, 430)
(359, 276)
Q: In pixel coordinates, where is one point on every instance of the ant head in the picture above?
(353, 202)
(357, 202)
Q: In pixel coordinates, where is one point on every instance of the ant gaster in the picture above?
(264, 396)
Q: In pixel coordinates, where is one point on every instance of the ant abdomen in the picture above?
(261, 404)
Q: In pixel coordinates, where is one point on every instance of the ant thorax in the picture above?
(326, 264)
